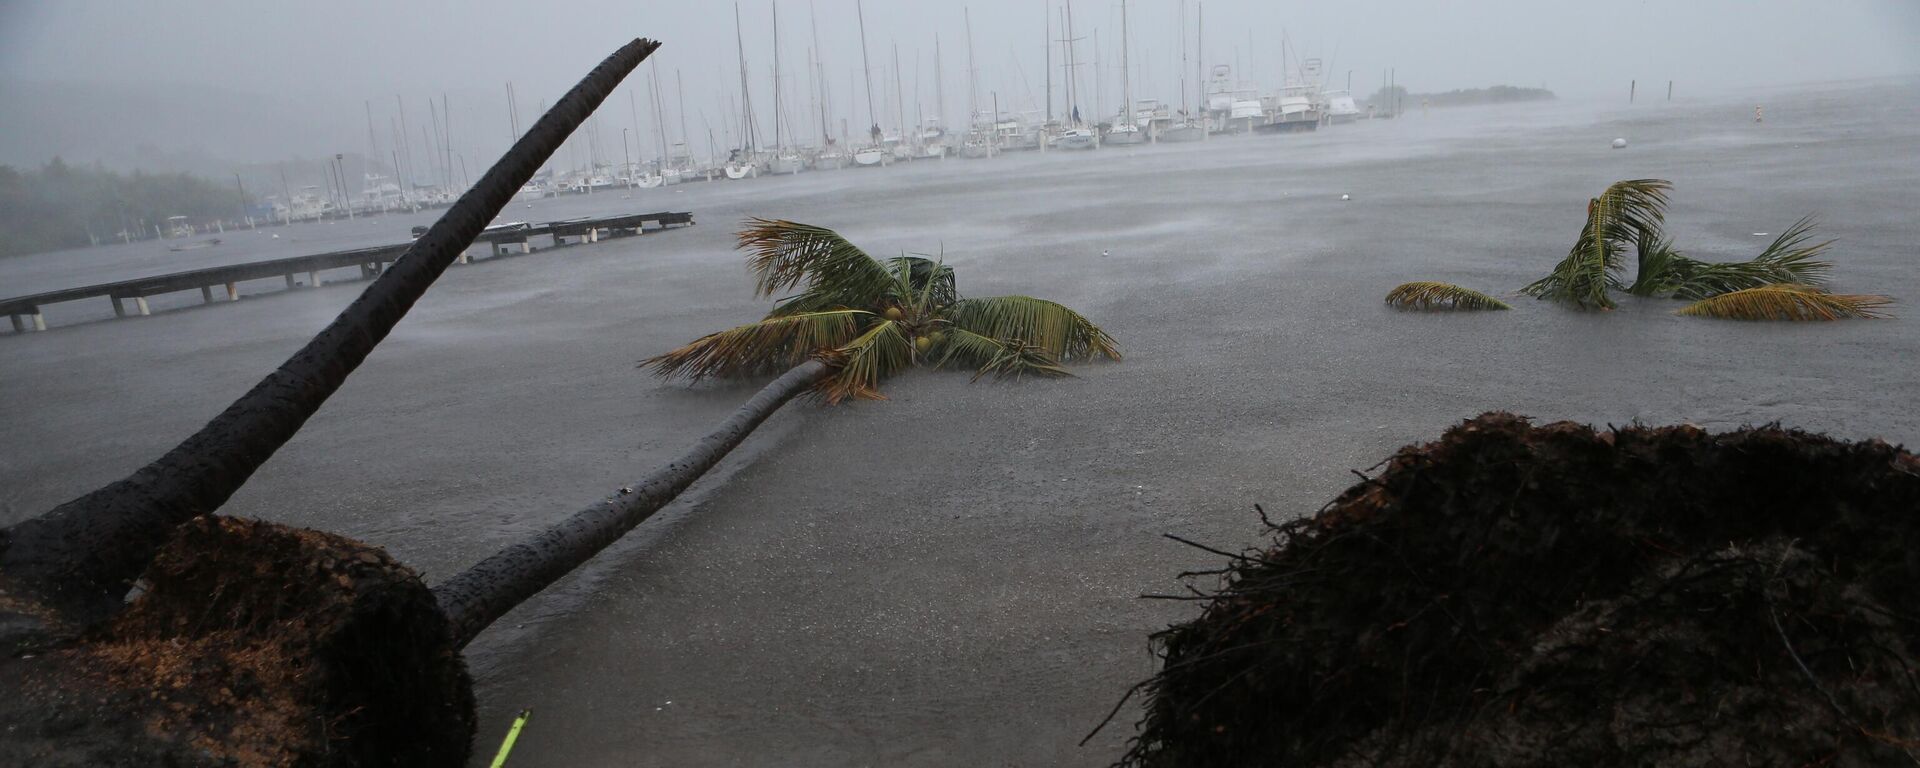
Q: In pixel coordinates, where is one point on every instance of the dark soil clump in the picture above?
(253, 644)
(1518, 595)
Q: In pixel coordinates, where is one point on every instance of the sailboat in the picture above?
(874, 153)
(1187, 128)
(1126, 129)
(932, 141)
(978, 142)
(785, 159)
(1076, 134)
(744, 162)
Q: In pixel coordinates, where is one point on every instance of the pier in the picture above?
(222, 284)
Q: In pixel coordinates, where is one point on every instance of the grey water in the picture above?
(951, 577)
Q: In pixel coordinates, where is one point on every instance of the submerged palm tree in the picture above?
(1789, 260)
(1433, 296)
(1787, 302)
(1629, 212)
(870, 319)
(1632, 214)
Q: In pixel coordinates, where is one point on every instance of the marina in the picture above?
(222, 283)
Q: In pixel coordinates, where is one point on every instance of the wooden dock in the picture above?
(223, 283)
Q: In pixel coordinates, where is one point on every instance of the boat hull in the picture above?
(1183, 133)
(1291, 126)
(872, 157)
(1073, 142)
(789, 164)
(1126, 138)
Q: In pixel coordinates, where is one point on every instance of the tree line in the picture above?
(60, 206)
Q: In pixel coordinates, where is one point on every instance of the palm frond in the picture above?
(1663, 269)
(1628, 212)
(1787, 302)
(768, 346)
(1002, 359)
(1789, 259)
(1429, 295)
(1055, 329)
(931, 280)
(874, 355)
(785, 254)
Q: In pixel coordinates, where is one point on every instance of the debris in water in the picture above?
(1619, 143)
(1346, 197)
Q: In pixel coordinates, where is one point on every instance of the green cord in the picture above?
(512, 735)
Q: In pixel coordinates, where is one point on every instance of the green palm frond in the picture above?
(1787, 302)
(931, 280)
(880, 352)
(1055, 329)
(871, 318)
(1001, 359)
(1627, 213)
(1429, 295)
(785, 254)
(1663, 269)
(1790, 260)
(768, 346)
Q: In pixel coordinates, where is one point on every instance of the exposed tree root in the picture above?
(1519, 595)
(254, 644)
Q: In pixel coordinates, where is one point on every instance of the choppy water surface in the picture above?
(950, 577)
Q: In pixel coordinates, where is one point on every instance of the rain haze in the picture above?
(196, 84)
(929, 567)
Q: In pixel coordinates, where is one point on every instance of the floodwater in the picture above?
(951, 577)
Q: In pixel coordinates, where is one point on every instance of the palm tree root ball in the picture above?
(252, 644)
(1558, 595)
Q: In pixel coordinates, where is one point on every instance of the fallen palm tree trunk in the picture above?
(1519, 595)
(479, 595)
(85, 553)
(252, 643)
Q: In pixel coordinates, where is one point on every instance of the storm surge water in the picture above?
(951, 576)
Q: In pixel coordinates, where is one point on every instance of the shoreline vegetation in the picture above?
(1463, 97)
(59, 206)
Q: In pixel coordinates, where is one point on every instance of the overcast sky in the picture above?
(317, 63)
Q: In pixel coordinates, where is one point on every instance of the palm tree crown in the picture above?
(870, 319)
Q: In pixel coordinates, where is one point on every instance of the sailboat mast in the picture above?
(633, 117)
(899, 96)
(779, 138)
(1183, 59)
(746, 93)
(866, 66)
(1073, 107)
(820, 70)
(373, 145)
(513, 122)
(973, 87)
(1126, 72)
(1048, 15)
(680, 86)
(939, 85)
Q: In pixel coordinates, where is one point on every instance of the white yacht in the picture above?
(1340, 107)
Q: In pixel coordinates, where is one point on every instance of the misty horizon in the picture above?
(226, 85)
